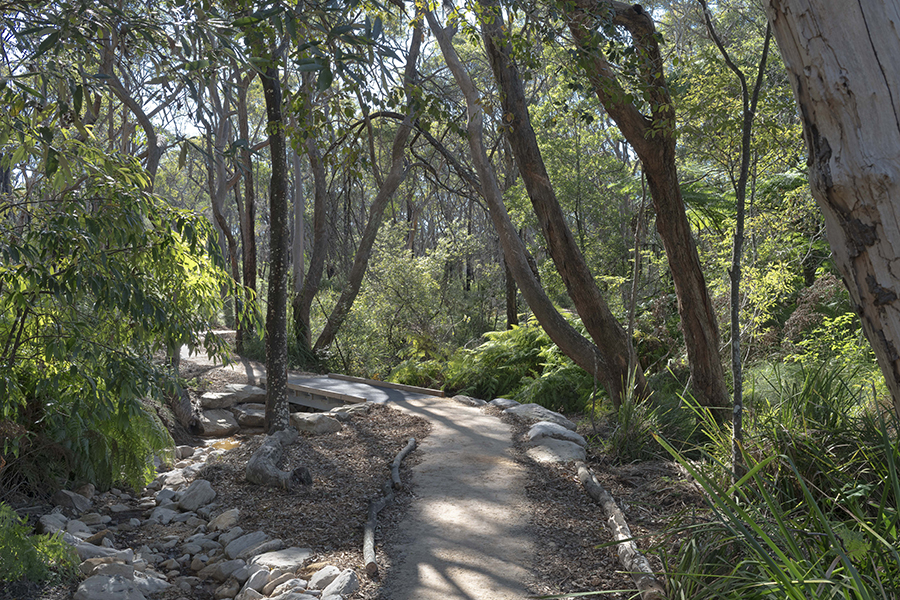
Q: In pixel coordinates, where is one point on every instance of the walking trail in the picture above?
(465, 535)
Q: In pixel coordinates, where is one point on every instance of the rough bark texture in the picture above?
(262, 468)
(653, 139)
(629, 555)
(570, 341)
(842, 60)
(248, 213)
(599, 321)
(277, 413)
(395, 176)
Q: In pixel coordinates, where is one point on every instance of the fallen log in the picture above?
(379, 503)
(262, 468)
(395, 467)
(629, 555)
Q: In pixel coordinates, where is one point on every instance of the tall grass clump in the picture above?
(816, 516)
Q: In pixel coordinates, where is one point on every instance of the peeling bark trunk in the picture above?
(395, 176)
(602, 326)
(841, 59)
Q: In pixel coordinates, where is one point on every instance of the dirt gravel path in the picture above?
(465, 536)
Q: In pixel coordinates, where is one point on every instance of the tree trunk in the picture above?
(512, 308)
(567, 338)
(602, 326)
(248, 214)
(749, 110)
(277, 413)
(302, 302)
(653, 139)
(394, 177)
(841, 58)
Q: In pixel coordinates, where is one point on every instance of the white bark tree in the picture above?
(843, 64)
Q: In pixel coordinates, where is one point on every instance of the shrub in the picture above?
(35, 557)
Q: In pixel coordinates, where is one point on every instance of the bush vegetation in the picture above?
(33, 557)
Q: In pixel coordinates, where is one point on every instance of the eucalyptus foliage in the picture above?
(97, 276)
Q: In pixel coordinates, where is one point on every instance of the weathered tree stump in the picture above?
(629, 555)
(262, 468)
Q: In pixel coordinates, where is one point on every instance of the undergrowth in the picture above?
(33, 557)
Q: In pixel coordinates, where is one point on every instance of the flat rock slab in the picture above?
(315, 423)
(536, 412)
(466, 535)
(288, 559)
(250, 415)
(551, 450)
(546, 429)
(218, 422)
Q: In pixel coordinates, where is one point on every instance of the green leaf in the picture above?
(48, 42)
(325, 79)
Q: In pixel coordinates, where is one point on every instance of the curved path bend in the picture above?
(465, 535)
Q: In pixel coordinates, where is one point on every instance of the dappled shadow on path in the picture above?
(466, 535)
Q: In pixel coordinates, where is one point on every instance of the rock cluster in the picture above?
(215, 552)
(552, 437)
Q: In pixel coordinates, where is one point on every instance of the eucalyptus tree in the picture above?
(842, 59)
(617, 49)
(96, 273)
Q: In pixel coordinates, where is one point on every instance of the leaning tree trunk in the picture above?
(391, 183)
(574, 345)
(277, 414)
(599, 321)
(653, 139)
(842, 60)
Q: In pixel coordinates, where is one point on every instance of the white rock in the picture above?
(200, 493)
(249, 594)
(294, 584)
(225, 520)
(68, 499)
(149, 584)
(111, 569)
(315, 423)
(244, 392)
(92, 519)
(218, 423)
(244, 542)
(86, 551)
(550, 450)
(536, 412)
(101, 587)
(217, 400)
(163, 515)
(323, 577)
(184, 452)
(250, 415)
(288, 559)
(257, 581)
(344, 584)
(469, 400)
(547, 429)
(503, 403)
